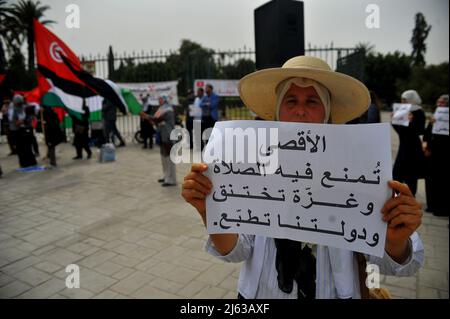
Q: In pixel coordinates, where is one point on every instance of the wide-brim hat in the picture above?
(349, 98)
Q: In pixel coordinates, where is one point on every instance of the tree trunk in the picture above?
(2, 57)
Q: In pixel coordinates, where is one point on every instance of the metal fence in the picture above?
(104, 65)
(156, 66)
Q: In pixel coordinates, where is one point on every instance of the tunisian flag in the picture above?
(60, 72)
(56, 77)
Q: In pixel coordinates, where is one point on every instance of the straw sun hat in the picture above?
(349, 97)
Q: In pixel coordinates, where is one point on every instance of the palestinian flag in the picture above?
(53, 100)
(105, 88)
(60, 73)
(134, 107)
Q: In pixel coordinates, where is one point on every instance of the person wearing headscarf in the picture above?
(164, 119)
(10, 127)
(22, 123)
(52, 132)
(306, 90)
(81, 132)
(437, 152)
(410, 164)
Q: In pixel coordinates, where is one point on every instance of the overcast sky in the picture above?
(228, 24)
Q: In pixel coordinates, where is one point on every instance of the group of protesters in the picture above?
(20, 120)
(17, 120)
(203, 107)
(423, 154)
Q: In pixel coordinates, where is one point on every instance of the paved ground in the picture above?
(132, 238)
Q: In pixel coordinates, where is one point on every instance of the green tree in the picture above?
(420, 33)
(11, 57)
(192, 61)
(18, 78)
(23, 13)
(430, 82)
(365, 47)
(9, 39)
(382, 74)
(3, 33)
(238, 69)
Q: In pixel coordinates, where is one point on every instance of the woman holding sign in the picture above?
(306, 90)
(410, 164)
(435, 146)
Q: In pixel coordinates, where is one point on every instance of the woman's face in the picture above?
(441, 102)
(302, 105)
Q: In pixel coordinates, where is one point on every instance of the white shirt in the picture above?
(258, 277)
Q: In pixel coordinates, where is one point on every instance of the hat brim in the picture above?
(349, 97)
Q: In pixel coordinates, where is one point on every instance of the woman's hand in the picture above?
(403, 214)
(196, 187)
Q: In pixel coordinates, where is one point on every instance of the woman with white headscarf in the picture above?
(438, 155)
(23, 123)
(164, 119)
(306, 90)
(409, 164)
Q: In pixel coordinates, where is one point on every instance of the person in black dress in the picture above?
(438, 155)
(409, 165)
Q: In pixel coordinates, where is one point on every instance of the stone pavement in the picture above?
(132, 238)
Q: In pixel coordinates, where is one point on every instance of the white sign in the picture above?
(401, 112)
(441, 125)
(154, 90)
(328, 185)
(221, 87)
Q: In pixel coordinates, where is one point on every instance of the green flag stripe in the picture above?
(133, 105)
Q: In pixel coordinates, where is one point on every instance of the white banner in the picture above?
(154, 90)
(440, 127)
(400, 115)
(221, 87)
(316, 183)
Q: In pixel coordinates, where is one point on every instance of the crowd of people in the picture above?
(20, 121)
(156, 123)
(421, 154)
